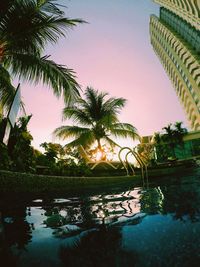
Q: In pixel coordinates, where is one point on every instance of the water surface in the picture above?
(158, 225)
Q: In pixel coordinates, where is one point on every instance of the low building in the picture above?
(189, 148)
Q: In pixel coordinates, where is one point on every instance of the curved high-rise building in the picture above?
(177, 45)
(189, 10)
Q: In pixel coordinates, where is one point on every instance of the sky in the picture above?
(111, 53)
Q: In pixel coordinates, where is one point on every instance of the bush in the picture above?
(5, 161)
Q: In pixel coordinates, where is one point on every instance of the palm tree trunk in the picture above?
(99, 144)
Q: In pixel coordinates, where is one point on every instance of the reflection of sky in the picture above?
(111, 53)
(41, 242)
(36, 216)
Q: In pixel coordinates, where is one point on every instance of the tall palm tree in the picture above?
(98, 117)
(26, 26)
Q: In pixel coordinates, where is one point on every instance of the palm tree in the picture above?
(180, 132)
(7, 90)
(179, 129)
(26, 26)
(169, 133)
(98, 117)
(169, 139)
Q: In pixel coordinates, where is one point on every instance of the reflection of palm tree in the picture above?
(107, 209)
(17, 232)
(99, 248)
(25, 28)
(183, 201)
(1, 230)
(98, 117)
(152, 201)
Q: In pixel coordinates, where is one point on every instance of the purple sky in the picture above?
(112, 53)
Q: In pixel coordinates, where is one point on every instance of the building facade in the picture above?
(189, 10)
(177, 44)
(189, 148)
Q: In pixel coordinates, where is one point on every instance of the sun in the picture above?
(103, 153)
(99, 155)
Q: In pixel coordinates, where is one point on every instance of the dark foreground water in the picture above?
(158, 225)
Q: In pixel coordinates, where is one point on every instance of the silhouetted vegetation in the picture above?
(25, 29)
(171, 138)
(18, 155)
(97, 122)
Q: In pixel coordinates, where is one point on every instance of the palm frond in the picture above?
(124, 130)
(110, 109)
(83, 104)
(26, 26)
(91, 99)
(4, 7)
(114, 104)
(77, 115)
(108, 119)
(50, 6)
(34, 68)
(85, 139)
(70, 131)
(38, 22)
(7, 91)
(95, 103)
(126, 126)
(111, 142)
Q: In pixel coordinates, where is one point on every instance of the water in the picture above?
(154, 226)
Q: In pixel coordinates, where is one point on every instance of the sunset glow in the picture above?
(112, 53)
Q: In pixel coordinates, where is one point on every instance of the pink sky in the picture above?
(112, 53)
